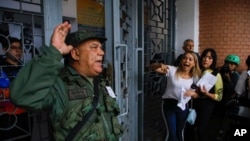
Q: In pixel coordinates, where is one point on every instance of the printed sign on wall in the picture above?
(90, 13)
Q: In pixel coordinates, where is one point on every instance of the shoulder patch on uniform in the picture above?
(77, 94)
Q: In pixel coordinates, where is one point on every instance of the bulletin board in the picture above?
(90, 13)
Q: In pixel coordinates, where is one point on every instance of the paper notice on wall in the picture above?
(91, 13)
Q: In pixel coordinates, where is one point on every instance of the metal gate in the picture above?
(124, 51)
(158, 47)
(138, 33)
(22, 20)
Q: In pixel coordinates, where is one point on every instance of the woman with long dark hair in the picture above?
(206, 101)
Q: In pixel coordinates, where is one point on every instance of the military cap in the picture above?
(78, 37)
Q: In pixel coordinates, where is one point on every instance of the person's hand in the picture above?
(162, 69)
(233, 96)
(227, 76)
(58, 38)
(159, 67)
(154, 66)
(204, 91)
(191, 93)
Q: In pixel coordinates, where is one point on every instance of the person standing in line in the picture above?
(205, 103)
(179, 84)
(80, 104)
(242, 88)
(12, 117)
(230, 76)
(188, 45)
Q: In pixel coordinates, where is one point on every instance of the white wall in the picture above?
(187, 23)
(24, 6)
(69, 8)
(70, 13)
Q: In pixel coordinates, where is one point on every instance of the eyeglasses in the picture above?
(16, 48)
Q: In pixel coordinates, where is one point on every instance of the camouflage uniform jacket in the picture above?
(42, 84)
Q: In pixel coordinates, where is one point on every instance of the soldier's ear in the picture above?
(75, 53)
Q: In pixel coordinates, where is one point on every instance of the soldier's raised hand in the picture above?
(58, 38)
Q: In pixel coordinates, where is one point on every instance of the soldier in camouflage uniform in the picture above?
(68, 90)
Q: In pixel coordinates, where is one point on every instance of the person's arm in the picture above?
(192, 93)
(32, 88)
(235, 78)
(159, 67)
(240, 85)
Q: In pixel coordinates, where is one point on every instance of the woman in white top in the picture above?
(178, 92)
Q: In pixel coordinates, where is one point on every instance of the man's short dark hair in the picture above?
(187, 40)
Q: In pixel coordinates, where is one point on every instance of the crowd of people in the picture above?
(209, 103)
(81, 106)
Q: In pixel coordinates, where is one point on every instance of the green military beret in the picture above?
(78, 37)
